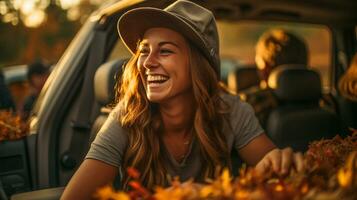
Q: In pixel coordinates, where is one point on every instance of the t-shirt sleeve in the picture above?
(245, 124)
(110, 142)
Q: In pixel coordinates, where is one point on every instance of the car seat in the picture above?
(243, 78)
(105, 79)
(298, 119)
(348, 112)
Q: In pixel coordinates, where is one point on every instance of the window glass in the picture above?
(238, 39)
(119, 51)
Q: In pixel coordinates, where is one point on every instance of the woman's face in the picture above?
(164, 65)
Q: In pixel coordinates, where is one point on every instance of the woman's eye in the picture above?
(166, 51)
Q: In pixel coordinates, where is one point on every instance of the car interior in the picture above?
(298, 113)
(80, 91)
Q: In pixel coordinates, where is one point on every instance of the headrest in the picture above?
(105, 79)
(243, 78)
(295, 83)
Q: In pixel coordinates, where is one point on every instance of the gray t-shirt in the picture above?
(110, 144)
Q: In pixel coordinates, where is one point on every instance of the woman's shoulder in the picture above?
(233, 100)
(229, 96)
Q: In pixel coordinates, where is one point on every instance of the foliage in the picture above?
(11, 126)
(331, 174)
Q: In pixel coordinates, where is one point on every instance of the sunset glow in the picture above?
(33, 12)
(66, 4)
(35, 19)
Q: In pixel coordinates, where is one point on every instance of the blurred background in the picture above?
(39, 29)
(33, 36)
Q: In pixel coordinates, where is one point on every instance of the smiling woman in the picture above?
(172, 117)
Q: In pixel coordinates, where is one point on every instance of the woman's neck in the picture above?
(178, 115)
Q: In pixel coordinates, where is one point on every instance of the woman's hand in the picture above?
(280, 161)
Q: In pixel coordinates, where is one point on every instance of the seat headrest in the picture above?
(243, 78)
(104, 80)
(295, 83)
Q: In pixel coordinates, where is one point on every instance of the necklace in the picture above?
(186, 144)
(179, 147)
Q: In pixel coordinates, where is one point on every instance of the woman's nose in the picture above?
(151, 61)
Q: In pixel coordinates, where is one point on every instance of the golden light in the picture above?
(17, 4)
(35, 19)
(27, 7)
(8, 17)
(73, 14)
(66, 4)
(43, 4)
(15, 21)
(3, 8)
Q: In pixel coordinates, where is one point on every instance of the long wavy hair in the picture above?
(142, 120)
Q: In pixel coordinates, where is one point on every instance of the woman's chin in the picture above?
(155, 97)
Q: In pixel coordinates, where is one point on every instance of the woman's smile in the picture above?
(156, 80)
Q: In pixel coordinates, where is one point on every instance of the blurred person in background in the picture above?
(6, 101)
(275, 47)
(37, 75)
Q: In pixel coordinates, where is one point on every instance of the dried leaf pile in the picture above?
(11, 126)
(331, 174)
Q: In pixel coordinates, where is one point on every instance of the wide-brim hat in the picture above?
(194, 22)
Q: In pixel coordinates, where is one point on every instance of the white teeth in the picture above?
(157, 78)
(154, 84)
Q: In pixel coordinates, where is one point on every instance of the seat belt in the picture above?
(81, 124)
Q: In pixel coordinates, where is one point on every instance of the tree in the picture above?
(39, 29)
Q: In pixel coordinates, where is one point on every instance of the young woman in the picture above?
(172, 117)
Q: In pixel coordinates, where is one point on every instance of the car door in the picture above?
(15, 168)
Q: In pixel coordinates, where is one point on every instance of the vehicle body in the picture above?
(66, 109)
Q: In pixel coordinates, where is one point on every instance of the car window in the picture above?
(119, 52)
(238, 39)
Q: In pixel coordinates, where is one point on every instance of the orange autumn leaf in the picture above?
(133, 173)
(139, 188)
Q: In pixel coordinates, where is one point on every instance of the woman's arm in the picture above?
(256, 149)
(262, 153)
(91, 175)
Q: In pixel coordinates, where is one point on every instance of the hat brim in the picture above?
(133, 24)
